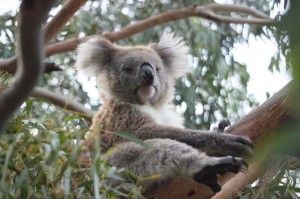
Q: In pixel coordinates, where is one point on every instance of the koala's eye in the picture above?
(127, 70)
(157, 69)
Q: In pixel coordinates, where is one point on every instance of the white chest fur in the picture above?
(165, 115)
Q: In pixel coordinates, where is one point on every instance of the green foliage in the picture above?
(217, 87)
(43, 158)
(40, 154)
(7, 33)
(285, 184)
(5, 80)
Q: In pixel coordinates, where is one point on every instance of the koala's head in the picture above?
(135, 74)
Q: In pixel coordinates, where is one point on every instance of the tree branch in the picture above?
(236, 184)
(63, 102)
(51, 67)
(257, 125)
(32, 14)
(207, 12)
(64, 15)
(50, 30)
(238, 9)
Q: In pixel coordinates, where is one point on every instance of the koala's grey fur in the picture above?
(136, 84)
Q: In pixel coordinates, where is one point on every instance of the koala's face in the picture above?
(137, 75)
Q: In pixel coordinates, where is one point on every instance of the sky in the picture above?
(256, 54)
(6, 5)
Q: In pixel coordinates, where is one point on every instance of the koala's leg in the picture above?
(173, 159)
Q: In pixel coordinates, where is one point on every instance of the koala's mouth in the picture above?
(146, 93)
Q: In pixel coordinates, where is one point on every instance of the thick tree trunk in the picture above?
(257, 124)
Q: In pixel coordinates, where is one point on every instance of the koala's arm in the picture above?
(145, 128)
(209, 142)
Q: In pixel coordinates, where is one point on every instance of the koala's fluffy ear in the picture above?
(94, 55)
(174, 53)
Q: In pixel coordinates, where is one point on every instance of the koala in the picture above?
(136, 85)
(222, 125)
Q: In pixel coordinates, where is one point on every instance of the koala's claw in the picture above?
(244, 163)
(208, 175)
(244, 167)
(227, 144)
(241, 145)
(245, 140)
(244, 170)
(223, 124)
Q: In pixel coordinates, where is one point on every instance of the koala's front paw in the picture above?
(226, 144)
(241, 145)
(208, 175)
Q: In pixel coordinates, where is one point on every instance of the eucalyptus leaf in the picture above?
(134, 139)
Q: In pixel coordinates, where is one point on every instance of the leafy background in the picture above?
(39, 150)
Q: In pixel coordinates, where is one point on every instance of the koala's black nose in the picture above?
(147, 73)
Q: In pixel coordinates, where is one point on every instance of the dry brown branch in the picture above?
(238, 9)
(236, 184)
(63, 102)
(207, 12)
(51, 67)
(264, 169)
(54, 26)
(32, 14)
(50, 30)
(257, 124)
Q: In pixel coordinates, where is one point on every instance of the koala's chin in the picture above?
(146, 93)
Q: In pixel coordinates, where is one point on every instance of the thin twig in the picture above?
(63, 102)
(238, 9)
(64, 15)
